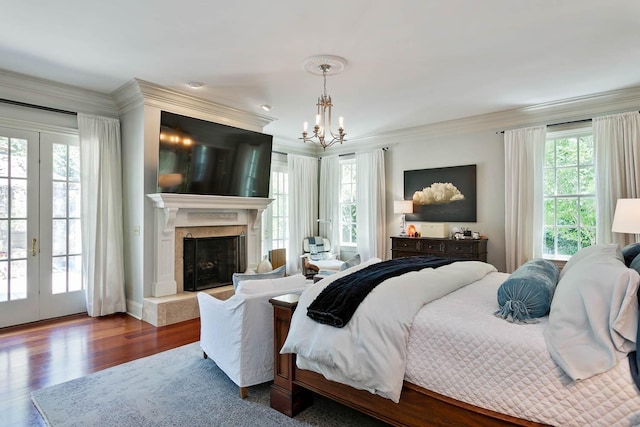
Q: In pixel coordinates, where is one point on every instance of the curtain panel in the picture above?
(303, 205)
(329, 206)
(370, 204)
(524, 156)
(101, 206)
(617, 143)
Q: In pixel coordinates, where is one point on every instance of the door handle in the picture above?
(34, 247)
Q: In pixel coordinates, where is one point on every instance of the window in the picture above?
(275, 218)
(569, 193)
(348, 202)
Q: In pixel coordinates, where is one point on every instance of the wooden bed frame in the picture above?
(293, 388)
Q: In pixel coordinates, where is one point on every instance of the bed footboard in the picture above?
(293, 388)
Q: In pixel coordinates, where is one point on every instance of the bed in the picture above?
(464, 365)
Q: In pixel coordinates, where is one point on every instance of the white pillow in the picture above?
(610, 249)
(274, 274)
(260, 286)
(594, 316)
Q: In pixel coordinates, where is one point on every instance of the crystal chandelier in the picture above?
(323, 133)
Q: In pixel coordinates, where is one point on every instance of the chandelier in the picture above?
(323, 133)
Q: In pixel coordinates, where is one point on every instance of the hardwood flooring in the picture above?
(45, 353)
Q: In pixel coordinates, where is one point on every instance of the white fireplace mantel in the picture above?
(194, 210)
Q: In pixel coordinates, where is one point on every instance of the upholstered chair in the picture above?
(237, 333)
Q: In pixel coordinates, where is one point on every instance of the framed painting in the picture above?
(442, 194)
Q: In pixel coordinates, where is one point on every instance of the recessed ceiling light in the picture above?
(265, 107)
(195, 85)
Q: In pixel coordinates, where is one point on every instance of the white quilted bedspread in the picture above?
(488, 362)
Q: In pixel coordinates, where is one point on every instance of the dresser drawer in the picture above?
(456, 248)
(408, 243)
(432, 247)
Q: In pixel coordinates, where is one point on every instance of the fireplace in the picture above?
(209, 262)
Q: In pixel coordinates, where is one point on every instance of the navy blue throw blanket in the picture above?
(337, 302)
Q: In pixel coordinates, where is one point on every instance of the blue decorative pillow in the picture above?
(630, 252)
(635, 264)
(528, 291)
(355, 260)
(275, 274)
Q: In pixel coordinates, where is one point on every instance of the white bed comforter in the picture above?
(378, 363)
(458, 348)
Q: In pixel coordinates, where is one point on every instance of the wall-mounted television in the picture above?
(201, 157)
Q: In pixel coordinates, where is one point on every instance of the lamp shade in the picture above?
(627, 216)
(403, 206)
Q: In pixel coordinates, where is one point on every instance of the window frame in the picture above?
(567, 132)
(278, 208)
(353, 183)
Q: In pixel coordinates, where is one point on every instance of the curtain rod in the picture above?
(564, 123)
(339, 155)
(38, 107)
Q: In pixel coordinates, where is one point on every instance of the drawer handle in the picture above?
(458, 248)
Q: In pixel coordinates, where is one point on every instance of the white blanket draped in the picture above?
(370, 352)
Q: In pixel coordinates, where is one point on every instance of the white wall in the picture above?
(484, 149)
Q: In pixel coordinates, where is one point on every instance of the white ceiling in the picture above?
(410, 62)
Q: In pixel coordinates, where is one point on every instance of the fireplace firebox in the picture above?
(210, 262)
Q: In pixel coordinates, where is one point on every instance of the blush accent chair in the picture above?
(317, 256)
(237, 333)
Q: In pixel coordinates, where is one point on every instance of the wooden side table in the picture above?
(285, 396)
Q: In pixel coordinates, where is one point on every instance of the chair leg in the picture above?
(243, 392)
(205, 355)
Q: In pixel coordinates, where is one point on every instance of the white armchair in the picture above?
(237, 333)
(317, 256)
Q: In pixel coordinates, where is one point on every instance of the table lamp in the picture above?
(403, 207)
(627, 216)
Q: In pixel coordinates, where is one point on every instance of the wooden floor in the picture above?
(41, 354)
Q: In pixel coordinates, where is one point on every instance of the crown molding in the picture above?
(138, 92)
(47, 93)
(578, 108)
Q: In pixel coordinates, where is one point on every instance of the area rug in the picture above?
(176, 388)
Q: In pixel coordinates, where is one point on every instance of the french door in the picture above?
(40, 240)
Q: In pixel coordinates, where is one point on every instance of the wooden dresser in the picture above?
(473, 249)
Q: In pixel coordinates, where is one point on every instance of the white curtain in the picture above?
(617, 144)
(329, 206)
(102, 232)
(303, 205)
(370, 204)
(524, 156)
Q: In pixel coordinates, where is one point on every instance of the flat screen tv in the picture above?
(201, 157)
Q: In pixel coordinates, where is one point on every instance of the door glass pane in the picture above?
(4, 282)
(4, 197)
(4, 239)
(75, 273)
(74, 200)
(74, 164)
(59, 275)
(59, 237)
(19, 198)
(4, 156)
(59, 162)
(75, 237)
(18, 158)
(59, 199)
(18, 241)
(18, 272)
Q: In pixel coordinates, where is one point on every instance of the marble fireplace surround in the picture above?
(203, 216)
